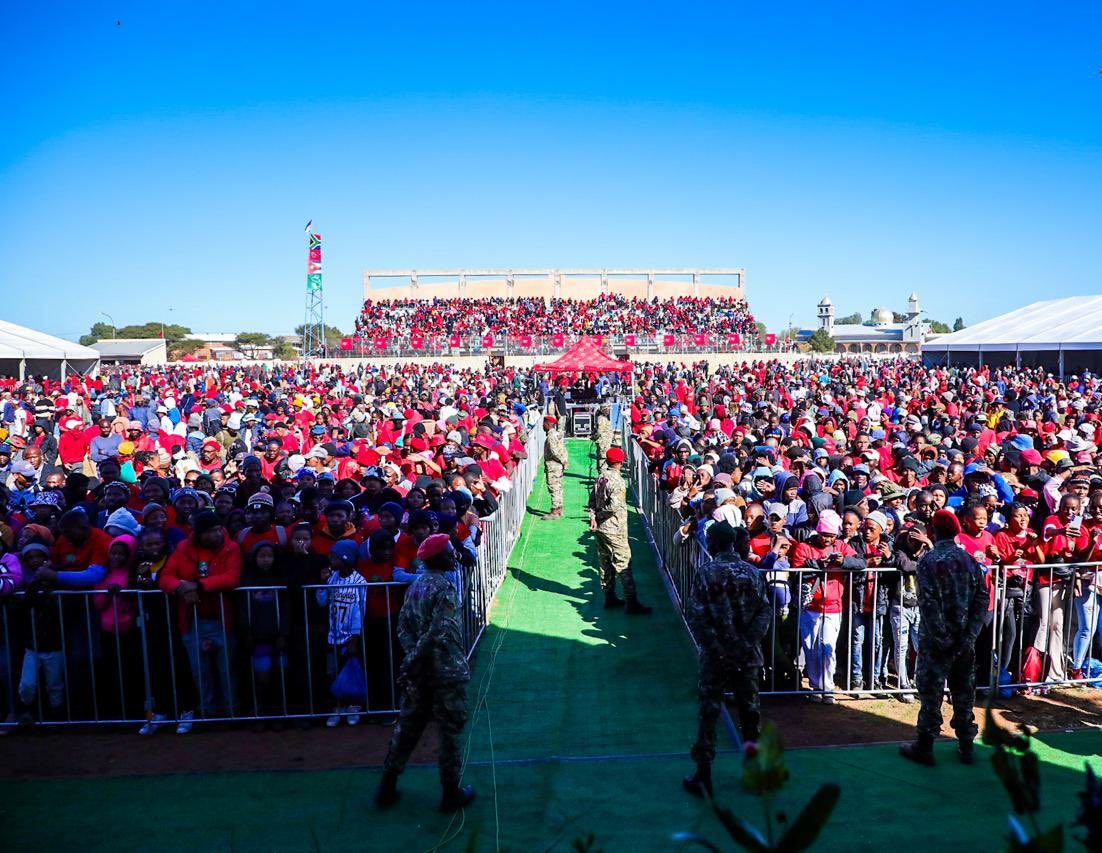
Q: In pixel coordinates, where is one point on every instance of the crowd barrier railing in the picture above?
(72, 657)
(1035, 635)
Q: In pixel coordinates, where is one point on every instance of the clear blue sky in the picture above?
(864, 151)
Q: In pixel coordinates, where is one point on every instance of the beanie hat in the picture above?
(829, 522)
(879, 518)
(433, 546)
(261, 499)
(205, 520)
(122, 519)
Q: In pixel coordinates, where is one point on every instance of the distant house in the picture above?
(132, 350)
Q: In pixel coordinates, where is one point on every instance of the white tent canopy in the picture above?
(26, 352)
(1071, 323)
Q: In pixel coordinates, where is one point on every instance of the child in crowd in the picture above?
(345, 593)
(266, 616)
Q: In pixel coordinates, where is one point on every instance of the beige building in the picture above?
(727, 282)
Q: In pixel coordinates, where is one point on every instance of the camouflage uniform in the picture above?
(434, 674)
(729, 613)
(554, 463)
(608, 506)
(603, 436)
(952, 601)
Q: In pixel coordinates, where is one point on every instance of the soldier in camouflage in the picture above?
(729, 613)
(433, 676)
(608, 518)
(554, 463)
(602, 434)
(952, 602)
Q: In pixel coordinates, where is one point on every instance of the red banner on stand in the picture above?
(734, 339)
(380, 343)
(526, 341)
(487, 341)
(454, 341)
(346, 343)
(558, 339)
(417, 342)
(629, 340)
(668, 340)
(700, 340)
(770, 339)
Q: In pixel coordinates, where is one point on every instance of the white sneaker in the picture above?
(187, 720)
(335, 720)
(151, 724)
(353, 715)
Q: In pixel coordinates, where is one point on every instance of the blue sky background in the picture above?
(861, 149)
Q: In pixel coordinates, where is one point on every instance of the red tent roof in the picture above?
(584, 357)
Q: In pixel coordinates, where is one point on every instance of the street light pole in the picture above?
(112, 319)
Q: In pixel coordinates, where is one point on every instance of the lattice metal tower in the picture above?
(313, 331)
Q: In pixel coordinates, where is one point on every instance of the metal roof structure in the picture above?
(24, 350)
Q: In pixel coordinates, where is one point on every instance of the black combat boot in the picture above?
(700, 783)
(612, 600)
(921, 751)
(456, 797)
(966, 752)
(634, 607)
(387, 793)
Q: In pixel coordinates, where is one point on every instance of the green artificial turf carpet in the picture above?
(580, 723)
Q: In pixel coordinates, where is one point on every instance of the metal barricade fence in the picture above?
(1035, 635)
(253, 653)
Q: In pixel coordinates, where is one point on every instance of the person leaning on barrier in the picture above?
(952, 600)
(729, 613)
(433, 676)
(555, 460)
(608, 518)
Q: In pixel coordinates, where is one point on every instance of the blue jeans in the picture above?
(904, 622)
(1087, 606)
(210, 653)
(867, 638)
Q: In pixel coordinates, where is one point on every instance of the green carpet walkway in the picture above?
(581, 723)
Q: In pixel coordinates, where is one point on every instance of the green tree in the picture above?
(760, 326)
(939, 328)
(247, 343)
(185, 346)
(283, 350)
(333, 335)
(853, 319)
(820, 341)
(99, 332)
(103, 331)
(958, 324)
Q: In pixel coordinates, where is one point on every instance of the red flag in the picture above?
(346, 343)
(558, 339)
(734, 339)
(629, 340)
(454, 341)
(526, 341)
(770, 339)
(417, 342)
(668, 340)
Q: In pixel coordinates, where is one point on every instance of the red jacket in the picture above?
(830, 591)
(223, 572)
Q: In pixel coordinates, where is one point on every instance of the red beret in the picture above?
(435, 545)
(945, 523)
(551, 418)
(614, 455)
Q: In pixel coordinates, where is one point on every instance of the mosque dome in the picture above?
(882, 316)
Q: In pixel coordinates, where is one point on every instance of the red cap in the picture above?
(614, 455)
(1031, 456)
(945, 523)
(435, 545)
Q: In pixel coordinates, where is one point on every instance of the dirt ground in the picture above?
(77, 753)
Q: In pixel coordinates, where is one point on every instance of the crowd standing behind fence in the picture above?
(224, 544)
(837, 470)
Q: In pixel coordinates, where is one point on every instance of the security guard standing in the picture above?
(608, 518)
(729, 613)
(433, 676)
(554, 464)
(602, 434)
(952, 604)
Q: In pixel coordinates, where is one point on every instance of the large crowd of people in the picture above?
(836, 470)
(249, 533)
(608, 315)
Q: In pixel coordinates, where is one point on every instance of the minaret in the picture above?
(826, 315)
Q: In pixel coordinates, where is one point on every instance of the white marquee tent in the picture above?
(1063, 335)
(26, 352)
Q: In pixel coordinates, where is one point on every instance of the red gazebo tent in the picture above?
(584, 357)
